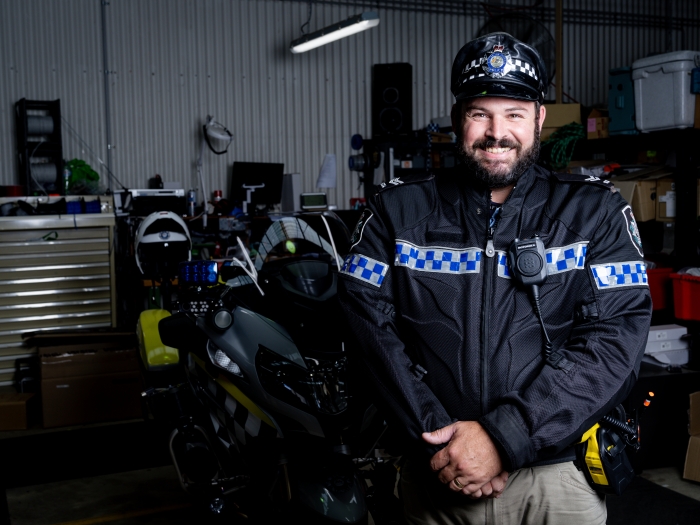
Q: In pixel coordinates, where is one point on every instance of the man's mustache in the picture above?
(491, 143)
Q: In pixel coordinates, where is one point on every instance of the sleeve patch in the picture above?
(617, 275)
(360, 227)
(632, 229)
(365, 269)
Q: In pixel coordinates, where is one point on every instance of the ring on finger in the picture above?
(458, 484)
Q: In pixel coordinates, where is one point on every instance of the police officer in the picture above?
(490, 388)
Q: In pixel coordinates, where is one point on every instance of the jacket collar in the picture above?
(460, 181)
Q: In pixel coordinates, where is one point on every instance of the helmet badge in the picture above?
(165, 235)
(497, 63)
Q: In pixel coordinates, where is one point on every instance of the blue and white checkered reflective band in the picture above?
(503, 268)
(515, 65)
(572, 257)
(436, 259)
(365, 269)
(615, 275)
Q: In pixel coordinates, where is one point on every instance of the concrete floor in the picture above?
(153, 496)
(144, 496)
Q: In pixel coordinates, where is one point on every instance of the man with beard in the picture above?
(489, 355)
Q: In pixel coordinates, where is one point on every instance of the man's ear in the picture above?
(543, 114)
(456, 116)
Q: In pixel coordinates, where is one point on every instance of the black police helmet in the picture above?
(498, 65)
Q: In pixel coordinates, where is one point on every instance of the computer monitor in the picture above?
(257, 183)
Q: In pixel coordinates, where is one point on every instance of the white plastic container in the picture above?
(666, 332)
(665, 345)
(662, 97)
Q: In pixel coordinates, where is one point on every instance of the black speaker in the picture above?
(392, 99)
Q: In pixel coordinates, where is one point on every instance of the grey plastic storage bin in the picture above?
(662, 96)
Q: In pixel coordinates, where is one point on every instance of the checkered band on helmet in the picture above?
(498, 65)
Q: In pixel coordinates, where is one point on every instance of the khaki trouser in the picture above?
(549, 495)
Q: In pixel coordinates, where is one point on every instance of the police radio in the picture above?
(603, 452)
(528, 261)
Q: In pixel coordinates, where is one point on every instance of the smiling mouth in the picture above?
(497, 150)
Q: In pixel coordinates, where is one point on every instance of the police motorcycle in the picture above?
(268, 420)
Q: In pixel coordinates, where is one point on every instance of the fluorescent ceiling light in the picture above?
(337, 31)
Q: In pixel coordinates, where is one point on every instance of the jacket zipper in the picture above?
(489, 264)
(486, 318)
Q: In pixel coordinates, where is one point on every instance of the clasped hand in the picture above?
(470, 462)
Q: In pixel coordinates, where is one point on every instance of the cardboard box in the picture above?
(691, 470)
(640, 191)
(88, 359)
(14, 411)
(597, 127)
(559, 115)
(99, 380)
(91, 399)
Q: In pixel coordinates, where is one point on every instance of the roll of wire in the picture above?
(40, 125)
(44, 173)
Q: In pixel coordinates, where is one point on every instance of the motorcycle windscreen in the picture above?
(292, 237)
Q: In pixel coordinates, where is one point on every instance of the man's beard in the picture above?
(496, 178)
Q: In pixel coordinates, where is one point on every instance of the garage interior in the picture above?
(201, 121)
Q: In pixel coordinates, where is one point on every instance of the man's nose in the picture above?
(497, 128)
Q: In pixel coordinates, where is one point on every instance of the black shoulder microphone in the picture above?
(527, 260)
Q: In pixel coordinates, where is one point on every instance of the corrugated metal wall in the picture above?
(48, 51)
(172, 62)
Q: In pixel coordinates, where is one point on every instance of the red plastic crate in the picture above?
(660, 287)
(686, 296)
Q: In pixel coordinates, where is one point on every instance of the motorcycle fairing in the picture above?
(239, 412)
(222, 432)
(241, 343)
(155, 355)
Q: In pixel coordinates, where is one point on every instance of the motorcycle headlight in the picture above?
(220, 359)
(320, 387)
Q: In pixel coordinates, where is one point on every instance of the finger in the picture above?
(474, 495)
(439, 461)
(472, 488)
(455, 486)
(486, 489)
(499, 482)
(439, 436)
(448, 472)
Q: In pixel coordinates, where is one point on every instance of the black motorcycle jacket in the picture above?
(448, 335)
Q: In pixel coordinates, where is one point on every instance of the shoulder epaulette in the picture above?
(407, 179)
(590, 179)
